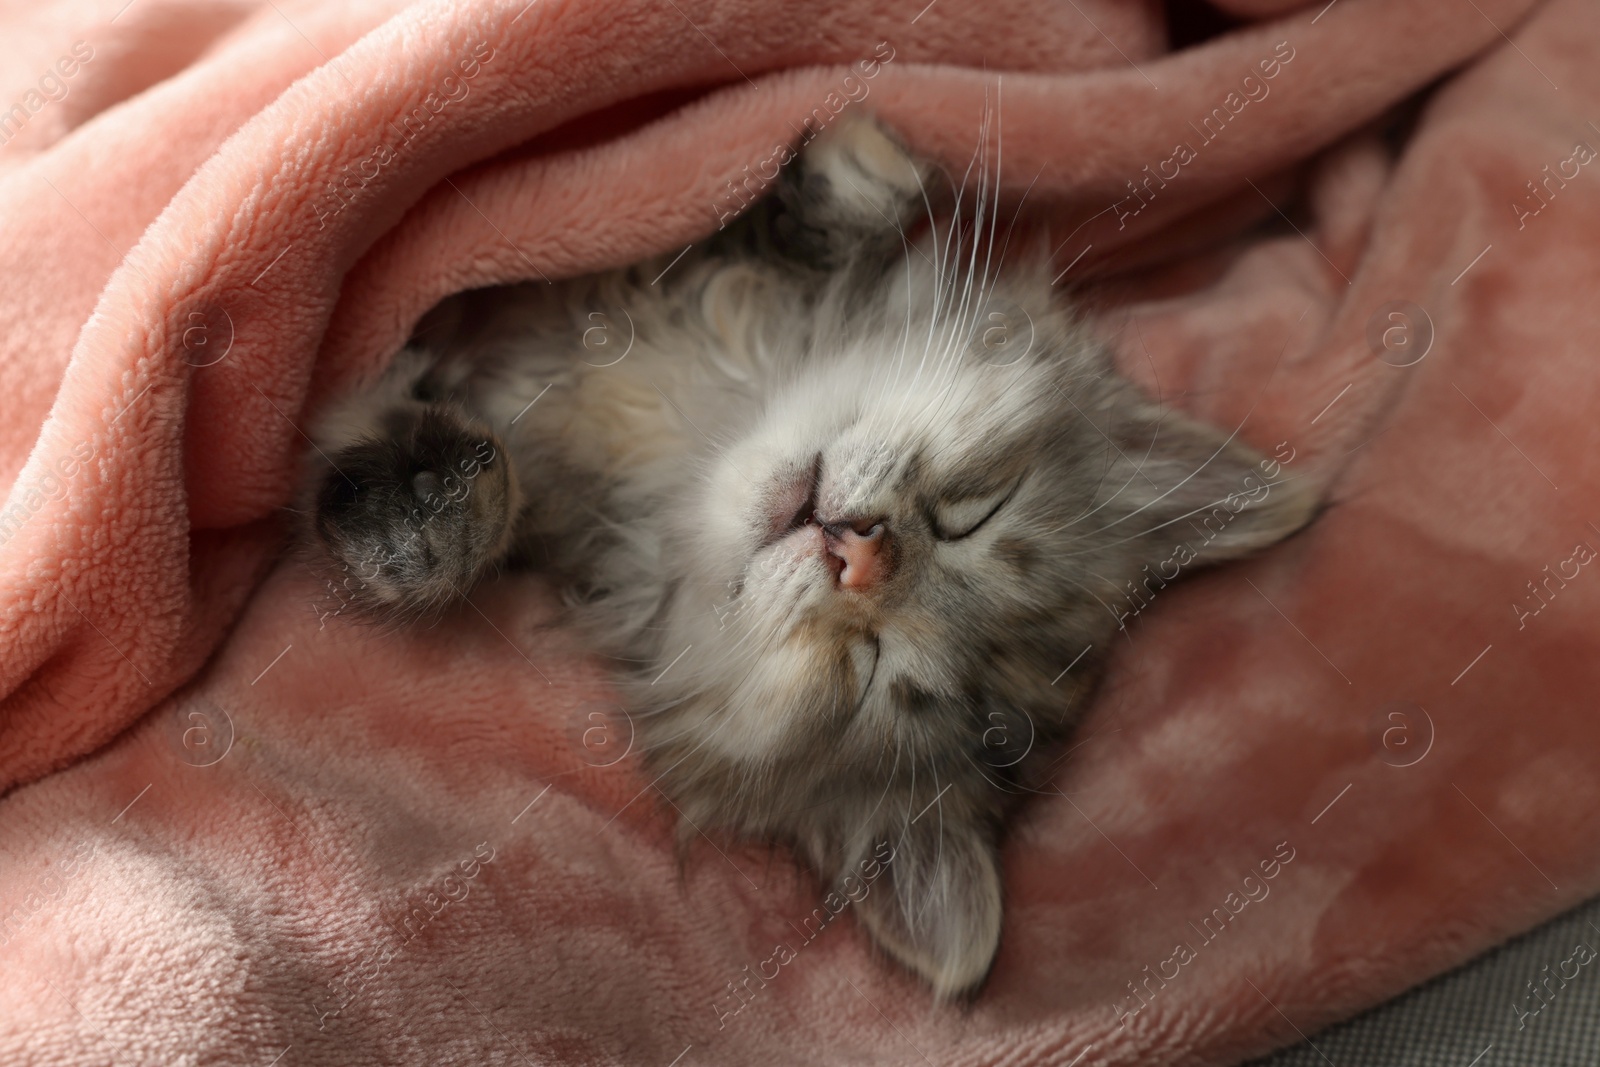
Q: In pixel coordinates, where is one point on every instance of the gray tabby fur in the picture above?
(688, 471)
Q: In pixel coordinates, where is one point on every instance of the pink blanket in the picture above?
(241, 828)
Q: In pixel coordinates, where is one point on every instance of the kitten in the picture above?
(844, 501)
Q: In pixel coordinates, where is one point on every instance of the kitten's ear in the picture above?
(934, 904)
(1181, 483)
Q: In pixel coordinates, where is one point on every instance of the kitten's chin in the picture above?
(789, 690)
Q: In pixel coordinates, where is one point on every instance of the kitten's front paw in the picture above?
(867, 176)
(851, 193)
(414, 514)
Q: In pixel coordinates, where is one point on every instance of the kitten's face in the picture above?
(881, 581)
(867, 540)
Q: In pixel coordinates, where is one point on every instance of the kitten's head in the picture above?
(882, 581)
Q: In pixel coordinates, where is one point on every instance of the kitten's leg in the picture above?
(415, 498)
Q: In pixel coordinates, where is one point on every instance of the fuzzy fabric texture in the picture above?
(241, 827)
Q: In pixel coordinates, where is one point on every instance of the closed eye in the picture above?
(954, 520)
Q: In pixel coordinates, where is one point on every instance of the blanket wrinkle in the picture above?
(239, 826)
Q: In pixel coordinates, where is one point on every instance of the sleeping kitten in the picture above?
(843, 501)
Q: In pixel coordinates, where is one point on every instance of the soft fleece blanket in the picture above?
(240, 828)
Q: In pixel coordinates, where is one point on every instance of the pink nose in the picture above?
(862, 549)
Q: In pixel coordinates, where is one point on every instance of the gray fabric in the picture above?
(1470, 1017)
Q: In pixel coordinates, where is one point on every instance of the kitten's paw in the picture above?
(854, 189)
(415, 513)
(869, 177)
